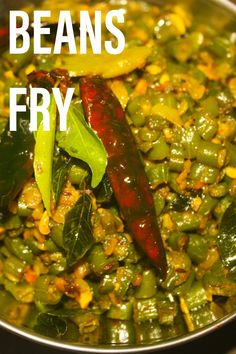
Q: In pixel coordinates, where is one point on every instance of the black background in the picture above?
(221, 341)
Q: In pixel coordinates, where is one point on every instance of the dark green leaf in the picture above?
(77, 232)
(104, 191)
(51, 326)
(226, 239)
(60, 171)
(16, 161)
(81, 142)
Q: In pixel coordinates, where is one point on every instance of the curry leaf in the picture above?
(81, 142)
(49, 325)
(77, 232)
(226, 239)
(60, 171)
(104, 191)
(43, 156)
(16, 163)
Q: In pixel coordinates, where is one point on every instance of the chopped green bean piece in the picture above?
(158, 174)
(176, 157)
(204, 173)
(46, 291)
(19, 248)
(186, 221)
(99, 262)
(145, 310)
(22, 292)
(197, 248)
(203, 316)
(159, 203)
(206, 126)
(159, 151)
(196, 296)
(167, 310)
(177, 240)
(13, 269)
(148, 285)
(207, 205)
(211, 154)
(118, 332)
(77, 175)
(121, 311)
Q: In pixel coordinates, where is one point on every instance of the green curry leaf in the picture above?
(43, 156)
(226, 239)
(51, 326)
(60, 171)
(104, 191)
(16, 163)
(81, 142)
(77, 232)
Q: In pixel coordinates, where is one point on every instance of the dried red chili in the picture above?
(125, 169)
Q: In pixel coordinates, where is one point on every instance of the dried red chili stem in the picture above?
(48, 80)
(125, 169)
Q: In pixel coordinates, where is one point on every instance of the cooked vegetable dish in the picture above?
(122, 229)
